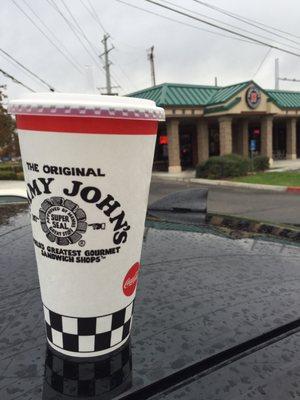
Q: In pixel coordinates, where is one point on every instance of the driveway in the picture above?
(261, 205)
(264, 206)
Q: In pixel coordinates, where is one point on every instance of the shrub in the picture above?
(10, 166)
(7, 175)
(260, 163)
(223, 167)
(5, 167)
(20, 176)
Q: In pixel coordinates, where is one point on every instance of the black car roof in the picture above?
(199, 294)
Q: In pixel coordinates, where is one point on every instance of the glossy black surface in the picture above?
(103, 379)
(199, 294)
(270, 373)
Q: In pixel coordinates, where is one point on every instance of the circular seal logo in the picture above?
(62, 221)
(130, 280)
(253, 97)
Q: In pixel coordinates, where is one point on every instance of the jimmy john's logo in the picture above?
(253, 97)
(62, 220)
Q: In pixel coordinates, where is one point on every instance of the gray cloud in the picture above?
(183, 54)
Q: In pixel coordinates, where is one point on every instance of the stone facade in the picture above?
(267, 137)
(225, 132)
(202, 140)
(203, 126)
(173, 145)
(291, 131)
(227, 127)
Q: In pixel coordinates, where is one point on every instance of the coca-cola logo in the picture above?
(130, 280)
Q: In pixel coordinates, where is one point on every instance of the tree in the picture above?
(9, 143)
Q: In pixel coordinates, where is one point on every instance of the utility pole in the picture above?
(151, 59)
(276, 73)
(216, 81)
(279, 78)
(107, 65)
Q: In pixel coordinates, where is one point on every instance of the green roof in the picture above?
(172, 94)
(176, 94)
(284, 98)
(225, 93)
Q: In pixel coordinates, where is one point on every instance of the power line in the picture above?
(77, 30)
(93, 14)
(53, 35)
(182, 23)
(97, 16)
(70, 25)
(278, 78)
(249, 21)
(126, 75)
(15, 80)
(44, 34)
(81, 31)
(224, 29)
(50, 87)
(10, 61)
(262, 62)
(237, 27)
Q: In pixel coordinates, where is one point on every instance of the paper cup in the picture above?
(87, 163)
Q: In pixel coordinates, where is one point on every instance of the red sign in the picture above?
(130, 280)
(163, 140)
(253, 97)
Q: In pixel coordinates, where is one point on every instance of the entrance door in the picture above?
(279, 140)
(254, 138)
(214, 140)
(188, 146)
(298, 140)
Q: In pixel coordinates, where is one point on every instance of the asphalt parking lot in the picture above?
(276, 207)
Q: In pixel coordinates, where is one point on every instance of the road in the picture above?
(264, 206)
(261, 205)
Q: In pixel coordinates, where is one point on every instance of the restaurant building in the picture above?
(204, 121)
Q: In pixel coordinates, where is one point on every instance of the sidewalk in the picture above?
(285, 165)
(12, 185)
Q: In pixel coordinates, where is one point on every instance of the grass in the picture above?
(10, 164)
(11, 171)
(289, 178)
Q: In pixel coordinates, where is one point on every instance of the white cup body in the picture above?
(88, 194)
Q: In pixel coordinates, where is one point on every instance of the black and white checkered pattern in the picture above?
(88, 335)
(83, 379)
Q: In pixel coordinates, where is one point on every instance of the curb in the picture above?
(241, 224)
(230, 184)
(293, 189)
(241, 185)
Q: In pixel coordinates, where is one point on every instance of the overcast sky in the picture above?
(183, 54)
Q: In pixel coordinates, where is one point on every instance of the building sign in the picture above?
(253, 97)
(253, 145)
(163, 140)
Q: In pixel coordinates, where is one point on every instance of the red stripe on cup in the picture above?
(86, 125)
